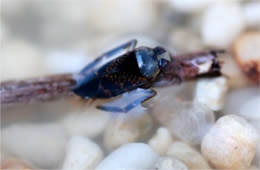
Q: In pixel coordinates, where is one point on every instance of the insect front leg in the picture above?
(109, 55)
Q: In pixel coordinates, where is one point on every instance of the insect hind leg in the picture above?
(128, 101)
(109, 55)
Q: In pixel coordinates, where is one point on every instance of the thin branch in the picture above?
(37, 89)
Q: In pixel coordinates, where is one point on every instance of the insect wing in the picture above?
(109, 56)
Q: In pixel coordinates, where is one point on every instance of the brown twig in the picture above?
(37, 89)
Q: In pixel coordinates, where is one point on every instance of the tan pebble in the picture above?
(169, 163)
(235, 76)
(124, 129)
(13, 163)
(185, 40)
(83, 122)
(246, 49)
(189, 156)
(161, 141)
(230, 143)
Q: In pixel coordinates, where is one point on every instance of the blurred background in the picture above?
(42, 37)
(45, 37)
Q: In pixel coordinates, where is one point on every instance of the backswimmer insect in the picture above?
(123, 70)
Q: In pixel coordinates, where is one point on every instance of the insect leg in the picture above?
(128, 101)
(109, 55)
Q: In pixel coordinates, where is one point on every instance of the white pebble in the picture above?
(221, 24)
(69, 61)
(127, 21)
(21, 60)
(126, 128)
(230, 143)
(212, 92)
(185, 40)
(189, 5)
(88, 121)
(256, 125)
(82, 153)
(236, 99)
(161, 141)
(188, 121)
(252, 13)
(251, 109)
(130, 156)
(41, 145)
(189, 156)
(169, 163)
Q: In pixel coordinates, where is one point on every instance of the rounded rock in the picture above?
(251, 109)
(91, 122)
(188, 121)
(13, 163)
(183, 152)
(21, 60)
(221, 24)
(243, 98)
(35, 142)
(236, 77)
(161, 141)
(126, 128)
(247, 54)
(252, 13)
(82, 153)
(212, 92)
(128, 157)
(230, 143)
(169, 163)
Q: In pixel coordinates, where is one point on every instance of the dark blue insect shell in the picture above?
(114, 78)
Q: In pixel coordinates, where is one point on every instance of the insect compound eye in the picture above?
(147, 62)
(162, 53)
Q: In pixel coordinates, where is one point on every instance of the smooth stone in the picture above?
(231, 23)
(185, 40)
(252, 14)
(256, 125)
(169, 163)
(72, 61)
(246, 53)
(230, 68)
(237, 98)
(212, 92)
(230, 143)
(42, 145)
(21, 60)
(161, 141)
(82, 153)
(127, 128)
(251, 109)
(189, 6)
(188, 121)
(13, 163)
(130, 156)
(88, 121)
(189, 156)
(129, 10)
